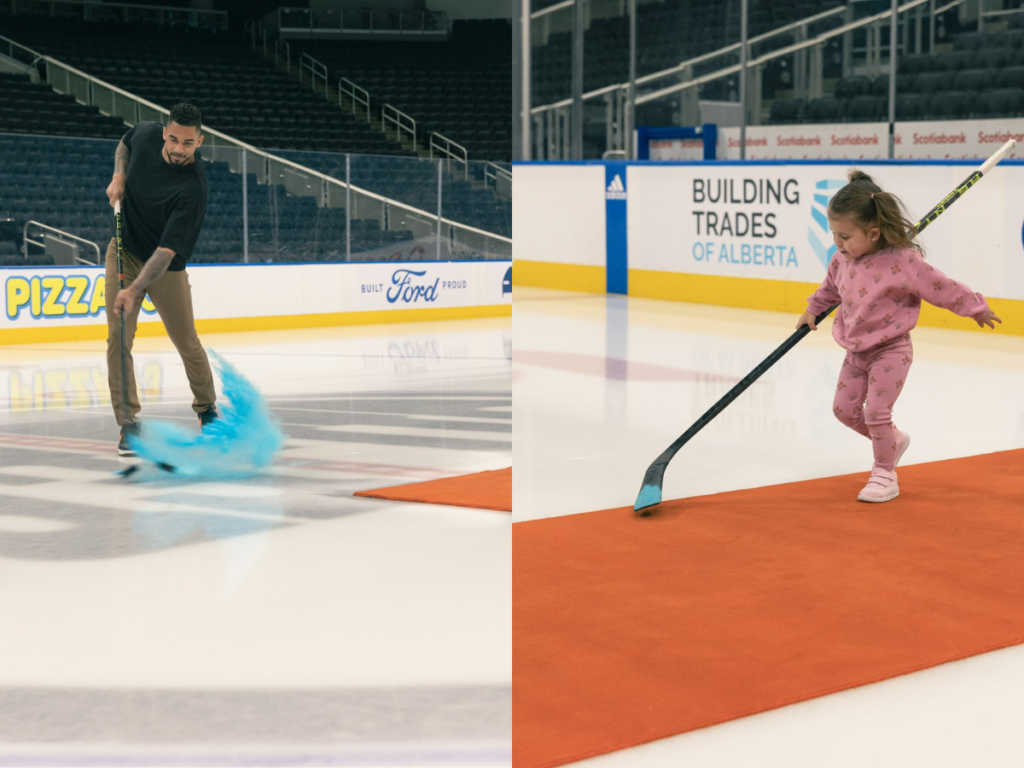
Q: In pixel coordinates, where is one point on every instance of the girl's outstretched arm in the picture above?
(931, 285)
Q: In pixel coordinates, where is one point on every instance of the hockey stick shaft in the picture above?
(124, 341)
(650, 490)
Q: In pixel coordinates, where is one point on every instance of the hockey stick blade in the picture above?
(129, 471)
(651, 489)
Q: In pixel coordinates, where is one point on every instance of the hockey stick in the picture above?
(120, 287)
(650, 491)
(127, 471)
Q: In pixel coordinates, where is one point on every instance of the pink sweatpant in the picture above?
(869, 384)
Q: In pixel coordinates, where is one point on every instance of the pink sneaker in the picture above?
(882, 486)
(901, 448)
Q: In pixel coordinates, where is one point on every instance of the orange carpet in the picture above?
(481, 490)
(627, 630)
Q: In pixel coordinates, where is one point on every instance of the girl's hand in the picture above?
(987, 319)
(807, 318)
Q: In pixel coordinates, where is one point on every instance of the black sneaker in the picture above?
(207, 417)
(123, 448)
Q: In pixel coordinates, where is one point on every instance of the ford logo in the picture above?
(403, 288)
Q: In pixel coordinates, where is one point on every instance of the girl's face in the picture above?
(851, 239)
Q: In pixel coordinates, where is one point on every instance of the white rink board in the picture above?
(559, 213)
(49, 297)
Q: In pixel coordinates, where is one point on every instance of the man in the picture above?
(163, 192)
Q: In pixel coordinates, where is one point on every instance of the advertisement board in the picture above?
(66, 297)
(769, 221)
(930, 140)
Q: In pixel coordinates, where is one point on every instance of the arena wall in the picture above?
(754, 234)
(67, 303)
(562, 243)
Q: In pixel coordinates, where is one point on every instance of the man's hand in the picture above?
(807, 318)
(115, 191)
(125, 300)
(987, 319)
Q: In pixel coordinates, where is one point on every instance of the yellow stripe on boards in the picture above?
(746, 292)
(784, 296)
(271, 323)
(565, 277)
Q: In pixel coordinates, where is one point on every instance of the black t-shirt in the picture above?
(164, 205)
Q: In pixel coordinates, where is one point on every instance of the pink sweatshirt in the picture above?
(880, 296)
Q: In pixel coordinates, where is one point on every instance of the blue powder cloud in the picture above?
(240, 443)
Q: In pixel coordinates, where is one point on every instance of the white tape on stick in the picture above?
(1003, 151)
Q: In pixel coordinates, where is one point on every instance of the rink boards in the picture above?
(67, 303)
(751, 234)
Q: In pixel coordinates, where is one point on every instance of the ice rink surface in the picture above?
(271, 621)
(603, 384)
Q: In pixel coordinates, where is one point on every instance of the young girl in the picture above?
(878, 277)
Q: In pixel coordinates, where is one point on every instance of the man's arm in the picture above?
(115, 191)
(150, 273)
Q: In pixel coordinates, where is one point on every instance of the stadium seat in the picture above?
(911, 106)
(865, 109)
(999, 102)
(951, 105)
(826, 110)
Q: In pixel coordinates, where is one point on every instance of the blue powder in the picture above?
(241, 442)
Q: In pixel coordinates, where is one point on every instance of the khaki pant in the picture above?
(172, 297)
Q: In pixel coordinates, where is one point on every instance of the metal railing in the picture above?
(361, 21)
(354, 93)
(26, 242)
(812, 44)
(552, 9)
(498, 179)
(451, 150)
(403, 123)
(685, 66)
(317, 71)
(283, 50)
(994, 15)
(270, 169)
(89, 10)
(492, 171)
(552, 121)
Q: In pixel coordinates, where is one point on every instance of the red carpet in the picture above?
(482, 490)
(627, 630)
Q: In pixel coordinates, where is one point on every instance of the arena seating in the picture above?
(667, 33)
(238, 91)
(27, 107)
(414, 182)
(243, 95)
(982, 77)
(461, 88)
(70, 195)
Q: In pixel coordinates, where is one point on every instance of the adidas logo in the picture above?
(616, 190)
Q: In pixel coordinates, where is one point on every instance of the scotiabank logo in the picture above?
(940, 138)
(820, 233)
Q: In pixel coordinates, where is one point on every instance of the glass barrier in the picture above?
(263, 207)
(551, 81)
(481, 198)
(834, 68)
(60, 183)
(283, 211)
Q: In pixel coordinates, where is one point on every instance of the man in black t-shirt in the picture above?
(163, 195)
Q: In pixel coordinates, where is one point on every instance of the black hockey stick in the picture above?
(650, 491)
(127, 471)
